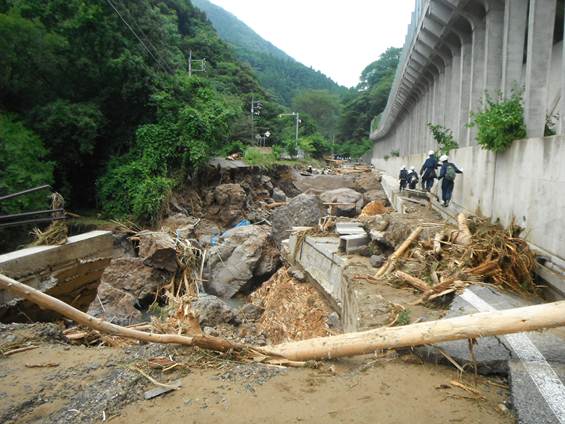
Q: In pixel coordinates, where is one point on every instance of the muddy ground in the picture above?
(93, 384)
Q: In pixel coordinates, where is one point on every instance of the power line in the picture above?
(137, 36)
(146, 38)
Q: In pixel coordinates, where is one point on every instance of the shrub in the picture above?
(443, 137)
(501, 122)
(256, 157)
(395, 153)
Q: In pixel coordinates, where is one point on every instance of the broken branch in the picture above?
(56, 305)
(391, 262)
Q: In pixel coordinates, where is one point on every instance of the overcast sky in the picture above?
(338, 38)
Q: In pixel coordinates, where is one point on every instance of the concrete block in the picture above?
(352, 243)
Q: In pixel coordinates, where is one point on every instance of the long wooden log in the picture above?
(482, 324)
(391, 262)
(415, 282)
(56, 305)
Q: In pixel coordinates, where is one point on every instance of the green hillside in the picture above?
(283, 76)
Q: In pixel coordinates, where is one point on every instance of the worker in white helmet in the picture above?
(447, 174)
(403, 178)
(428, 171)
(412, 178)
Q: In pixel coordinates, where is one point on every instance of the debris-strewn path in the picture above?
(87, 384)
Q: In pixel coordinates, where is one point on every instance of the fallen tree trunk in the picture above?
(391, 262)
(415, 282)
(56, 305)
(482, 324)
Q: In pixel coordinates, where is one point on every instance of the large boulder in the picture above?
(212, 311)
(127, 286)
(243, 256)
(304, 210)
(158, 250)
(348, 202)
(227, 203)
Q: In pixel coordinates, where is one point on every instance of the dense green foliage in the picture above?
(443, 137)
(370, 96)
(279, 73)
(22, 165)
(105, 108)
(500, 122)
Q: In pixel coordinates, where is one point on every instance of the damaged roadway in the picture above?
(246, 292)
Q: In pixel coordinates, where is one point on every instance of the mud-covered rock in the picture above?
(243, 256)
(377, 260)
(125, 284)
(372, 195)
(302, 210)
(279, 195)
(212, 311)
(158, 250)
(250, 312)
(368, 181)
(227, 203)
(348, 202)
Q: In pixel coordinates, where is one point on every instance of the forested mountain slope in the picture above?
(278, 72)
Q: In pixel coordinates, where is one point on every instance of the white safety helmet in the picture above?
(412, 168)
(443, 158)
(403, 167)
(431, 153)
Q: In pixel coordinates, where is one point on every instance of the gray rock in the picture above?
(212, 311)
(244, 254)
(279, 195)
(210, 331)
(351, 202)
(377, 260)
(227, 203)
(266, 182)
(303, 210)
(297, 274)
(371, 195)
(333, 320)
(158, 250)
(251, 312)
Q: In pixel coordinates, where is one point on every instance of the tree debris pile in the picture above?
(476, 251)
(292, 310)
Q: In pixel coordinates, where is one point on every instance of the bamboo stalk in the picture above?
(56, 305)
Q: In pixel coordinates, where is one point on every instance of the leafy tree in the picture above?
(315, 145)
(370, 96)
(22, 166)
(444, 138)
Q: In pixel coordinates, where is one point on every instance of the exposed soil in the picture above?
(92, 383)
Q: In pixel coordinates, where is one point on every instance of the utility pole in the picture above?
(256, 107)
(200, 62)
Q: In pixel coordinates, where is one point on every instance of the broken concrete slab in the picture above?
(158, 391)
(71, 272)
(353, 242)
(347, 228)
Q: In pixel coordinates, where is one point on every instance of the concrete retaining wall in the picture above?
(525, 183)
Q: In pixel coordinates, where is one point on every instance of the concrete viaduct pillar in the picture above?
(464, 89)
(562, 107)
(477, 75)
(494, 34)
(515, 21)
(541, 24)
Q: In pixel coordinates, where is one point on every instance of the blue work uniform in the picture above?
(446, 185)
(428, 173)
(403, 178)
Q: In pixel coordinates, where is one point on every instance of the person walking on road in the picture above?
(447, 175)
(403, 178)
(412, 178)
(428, 171)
